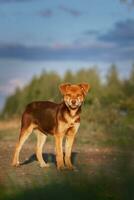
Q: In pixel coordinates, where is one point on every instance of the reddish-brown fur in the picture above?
(59, 120)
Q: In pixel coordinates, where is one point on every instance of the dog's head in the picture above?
(74, 94)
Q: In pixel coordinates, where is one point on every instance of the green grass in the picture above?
(72, 185)
(101, 176)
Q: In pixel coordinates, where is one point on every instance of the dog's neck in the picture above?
(70, 111)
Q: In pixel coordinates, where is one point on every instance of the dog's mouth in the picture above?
(73, 104)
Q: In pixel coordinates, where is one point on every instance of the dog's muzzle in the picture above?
(73, 103)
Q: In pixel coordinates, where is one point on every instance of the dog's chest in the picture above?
(68, 122)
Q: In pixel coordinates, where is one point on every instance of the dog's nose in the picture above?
(73, 101)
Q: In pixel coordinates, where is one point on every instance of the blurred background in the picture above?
(44, 43)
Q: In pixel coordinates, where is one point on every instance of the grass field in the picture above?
(105, 163)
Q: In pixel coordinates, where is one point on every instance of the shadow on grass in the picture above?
(48, 157)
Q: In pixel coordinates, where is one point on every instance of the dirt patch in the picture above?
(90, 162)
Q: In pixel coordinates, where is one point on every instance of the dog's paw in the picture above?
(71, 167)
(61, 167)
(44, 165)
(15, 164)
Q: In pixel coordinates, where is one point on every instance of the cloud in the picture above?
(91, 32)
(117, 44)
(72, 51)
(122, 33)
(8, 87)
(71, 11)
(128, 2)
(46, 13)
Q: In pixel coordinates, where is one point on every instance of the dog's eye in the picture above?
(78, 95)
(68, 95)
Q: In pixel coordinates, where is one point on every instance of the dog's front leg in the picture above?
(59, 151)
(68, 146)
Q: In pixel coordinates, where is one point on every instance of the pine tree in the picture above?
(113, 89)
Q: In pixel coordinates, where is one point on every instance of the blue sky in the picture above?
(60, 35)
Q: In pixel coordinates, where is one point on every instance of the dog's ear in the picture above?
(85, 87)
(63, 88)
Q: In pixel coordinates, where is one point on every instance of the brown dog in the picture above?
(58, 120)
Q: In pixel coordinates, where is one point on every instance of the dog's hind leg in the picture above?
(24, 134)
(41, 138)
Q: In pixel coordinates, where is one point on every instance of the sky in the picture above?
(37, 35)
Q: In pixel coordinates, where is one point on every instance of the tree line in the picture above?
(114, 91)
